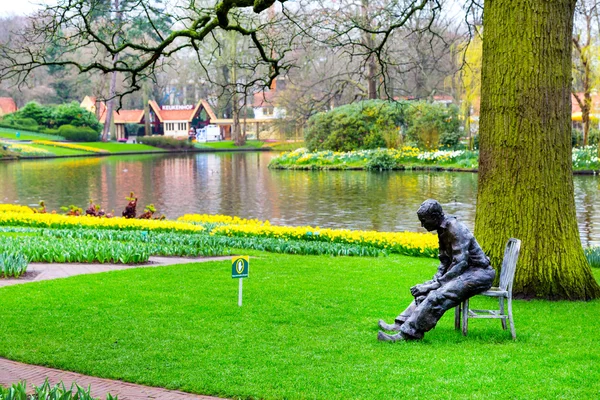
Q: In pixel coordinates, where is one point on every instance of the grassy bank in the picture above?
(307, 329)
(230, 145)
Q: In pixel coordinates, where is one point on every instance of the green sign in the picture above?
(240, 266)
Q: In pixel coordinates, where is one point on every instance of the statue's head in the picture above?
(430, 214)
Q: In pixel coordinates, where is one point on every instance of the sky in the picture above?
(19, 7)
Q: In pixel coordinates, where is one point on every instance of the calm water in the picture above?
(240, 184)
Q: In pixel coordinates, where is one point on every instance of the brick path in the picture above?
(13, 372)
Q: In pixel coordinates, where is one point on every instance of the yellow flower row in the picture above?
(412, 243)
(62, 221)
(220, 219)
(15, 208)
(70, 146)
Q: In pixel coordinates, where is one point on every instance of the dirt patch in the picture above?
(27, 276)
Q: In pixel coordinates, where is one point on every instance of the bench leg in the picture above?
(511, 320)
(503, 320)
(465, 317)
(457, 311)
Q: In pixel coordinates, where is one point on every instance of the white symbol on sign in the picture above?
(239, 266)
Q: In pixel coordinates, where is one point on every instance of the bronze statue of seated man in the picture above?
(464, 271)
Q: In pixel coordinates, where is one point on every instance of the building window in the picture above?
(182, 126)
(268, 111)
(170, 126)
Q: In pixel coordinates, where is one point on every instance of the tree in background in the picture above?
(585, 60)
(469, 78)
(525, 183)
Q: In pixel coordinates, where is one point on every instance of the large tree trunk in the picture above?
(525, 174)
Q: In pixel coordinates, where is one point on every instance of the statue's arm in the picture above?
(460, 255)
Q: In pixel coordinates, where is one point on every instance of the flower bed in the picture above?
(71, 146)
(25, 150)
(373, 159)
(585, 158)
(62, 221)
(408, 243)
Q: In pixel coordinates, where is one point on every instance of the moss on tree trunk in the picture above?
(525, 174)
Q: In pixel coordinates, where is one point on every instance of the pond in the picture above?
(241, 184)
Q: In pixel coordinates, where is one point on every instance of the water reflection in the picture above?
(241, 184)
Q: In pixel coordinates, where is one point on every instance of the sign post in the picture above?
(240, 266)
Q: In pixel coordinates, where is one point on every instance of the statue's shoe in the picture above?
(389, 327)
(384, 337)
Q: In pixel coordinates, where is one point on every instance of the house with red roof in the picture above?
(174, 121)
(7, 106)
(177, 120)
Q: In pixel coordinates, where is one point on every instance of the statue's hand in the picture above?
(417, 290)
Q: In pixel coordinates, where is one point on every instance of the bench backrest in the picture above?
(509, 264)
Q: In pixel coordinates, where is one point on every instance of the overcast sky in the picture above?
(19, 7)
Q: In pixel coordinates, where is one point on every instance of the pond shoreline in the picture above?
(130, 153)
(427, 168)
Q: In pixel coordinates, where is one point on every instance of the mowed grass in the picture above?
(7, 133)
(229, 144)
(307, 329)
(120, 147)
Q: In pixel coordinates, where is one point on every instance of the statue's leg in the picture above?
(399, 320)
(429, 311)
(404, 315)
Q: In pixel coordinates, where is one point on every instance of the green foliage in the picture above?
(362, 125)
(12, 264)
(166, 142)
(376, 123)
(577, 137)
(18, 391)
(381, 161)
(451, 140)
(78, 133)
(430, 125)
(51, 116)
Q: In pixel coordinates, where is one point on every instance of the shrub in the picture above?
(34, 114)
(165, 142)
(428, 123)
(381, 161)
(451, 140)
(361, 125)
(12, 264)
(78, 133)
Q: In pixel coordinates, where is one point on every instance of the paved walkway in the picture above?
(12, 371)
(45, 271)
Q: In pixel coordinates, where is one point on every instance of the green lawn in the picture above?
(307, 329)
(287, 146)
(114, 147)
(228, 144)
(8, 133)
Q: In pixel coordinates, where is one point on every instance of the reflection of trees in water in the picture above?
(241, 184)
(372, 200)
